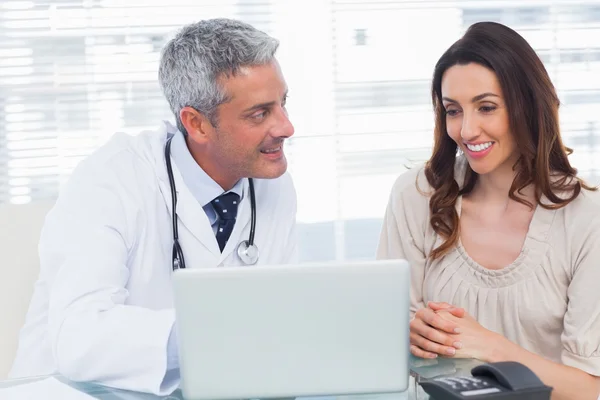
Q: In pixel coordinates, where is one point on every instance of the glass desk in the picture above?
(419, 369)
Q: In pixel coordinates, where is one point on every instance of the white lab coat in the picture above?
(102, 309)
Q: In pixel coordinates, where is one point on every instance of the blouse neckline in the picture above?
(533, 249)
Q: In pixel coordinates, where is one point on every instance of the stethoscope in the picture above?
(247, 250)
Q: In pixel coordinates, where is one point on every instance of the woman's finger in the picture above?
(456, 311)
(436, 306)
(417, 352)
(422, 329)
(429, 316)
(429, 346)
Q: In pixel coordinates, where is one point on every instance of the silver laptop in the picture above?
(296, 330)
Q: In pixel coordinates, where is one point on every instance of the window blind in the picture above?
(72, 73)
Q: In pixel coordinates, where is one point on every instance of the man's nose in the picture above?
(283, 127)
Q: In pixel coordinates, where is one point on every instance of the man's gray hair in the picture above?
(192, 62)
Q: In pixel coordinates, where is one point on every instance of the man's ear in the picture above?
(197, 125)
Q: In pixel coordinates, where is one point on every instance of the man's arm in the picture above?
(95, 336)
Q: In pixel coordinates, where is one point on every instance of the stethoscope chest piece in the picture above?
(247, 252)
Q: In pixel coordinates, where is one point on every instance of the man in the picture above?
(102, 309)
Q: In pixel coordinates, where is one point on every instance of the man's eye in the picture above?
(259, 115)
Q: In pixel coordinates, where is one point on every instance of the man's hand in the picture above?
(430, 334)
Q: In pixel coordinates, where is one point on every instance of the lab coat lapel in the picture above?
(190, 213)
(194, 218)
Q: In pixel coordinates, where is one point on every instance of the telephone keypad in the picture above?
(463, 383)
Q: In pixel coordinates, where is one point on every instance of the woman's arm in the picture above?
(569, 383)
(402, 234)
(402, 237)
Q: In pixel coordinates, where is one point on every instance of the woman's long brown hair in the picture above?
(532, 105)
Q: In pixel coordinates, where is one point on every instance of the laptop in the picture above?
(296, 330)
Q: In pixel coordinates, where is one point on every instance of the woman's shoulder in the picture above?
(585, 208)
(412, 184)
(578, 222)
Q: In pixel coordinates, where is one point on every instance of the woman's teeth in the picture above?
(479, 147)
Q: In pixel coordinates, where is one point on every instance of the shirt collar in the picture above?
(200, 184)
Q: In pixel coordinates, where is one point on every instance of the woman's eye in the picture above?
(451, 113)
(487, 109)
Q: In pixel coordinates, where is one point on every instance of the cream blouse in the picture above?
(547, 300)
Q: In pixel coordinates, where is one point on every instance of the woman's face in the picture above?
(477, 118)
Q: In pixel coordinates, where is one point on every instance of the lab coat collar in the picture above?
(201, 185)
(190, 213)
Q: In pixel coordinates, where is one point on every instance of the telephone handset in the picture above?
(501, 380)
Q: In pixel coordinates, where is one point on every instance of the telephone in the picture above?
(501, 380)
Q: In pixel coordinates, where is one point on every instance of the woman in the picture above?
(500, 232)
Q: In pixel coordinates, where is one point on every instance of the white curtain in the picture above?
(73, 72)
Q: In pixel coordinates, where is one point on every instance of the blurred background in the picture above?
(74, 72)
